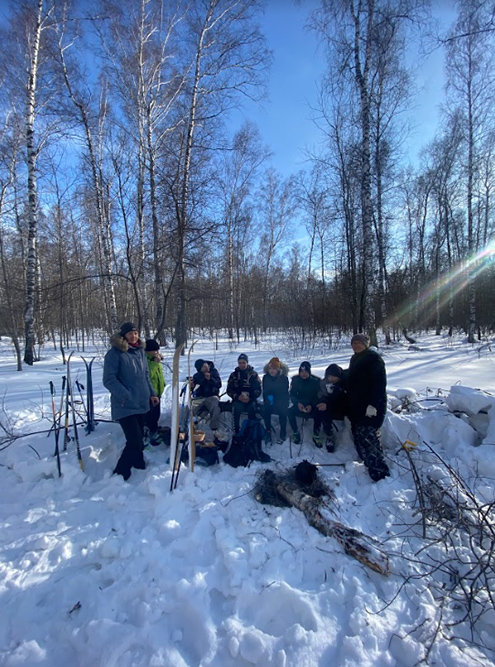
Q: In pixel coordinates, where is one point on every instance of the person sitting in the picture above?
(205, 385)
(276, 395)
(304, 390)
(154, 360)
(331, 403)
(243, 387)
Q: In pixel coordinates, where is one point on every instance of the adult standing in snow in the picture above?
(367, 404)
(205, 385)
(304, 390)
(154, 359)
(243, 387)
(331, 402)
(276, 395)
(126, 376)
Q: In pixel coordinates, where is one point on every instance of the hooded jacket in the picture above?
(205, 388)
(156, 374)
(244, 381)
(366, 385)
(126, 376)
(276, 389)
(333, 395)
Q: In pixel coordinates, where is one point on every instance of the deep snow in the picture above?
(95, 571)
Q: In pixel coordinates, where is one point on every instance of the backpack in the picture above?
(246, 445)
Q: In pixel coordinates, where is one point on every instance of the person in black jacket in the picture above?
(243, 387)
(367, 404)
(304, 390)
(205, 385)
(332, 402)
(276, 395)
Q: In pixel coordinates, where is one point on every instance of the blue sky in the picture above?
(298, 61)
(285, 120)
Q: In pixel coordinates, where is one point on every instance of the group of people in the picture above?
(133, 374)
(358, 393)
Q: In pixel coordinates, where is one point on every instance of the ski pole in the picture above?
(57, 452)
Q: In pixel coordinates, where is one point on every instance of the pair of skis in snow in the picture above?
(70, 410)
(182, 432)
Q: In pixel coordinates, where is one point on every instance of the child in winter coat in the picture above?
(154, 360)
(206, 384)
(304, 390)
(276, 395)
(243, 387)
(331, 402)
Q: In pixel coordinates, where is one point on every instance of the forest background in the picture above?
(128, 192)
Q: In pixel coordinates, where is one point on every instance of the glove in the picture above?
(371, 411)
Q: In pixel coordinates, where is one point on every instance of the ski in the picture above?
(175, 421)
(73, 411)
(55, 428)
(66, 423)
(90, 410)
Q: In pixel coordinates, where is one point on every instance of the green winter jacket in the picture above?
(156, 374)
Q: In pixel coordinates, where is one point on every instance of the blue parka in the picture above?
(126, 376)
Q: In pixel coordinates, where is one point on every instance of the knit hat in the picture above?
(305, 366)
(334, 370)
(242, 357)
(274, 363)
(198, 364)
(152, 345)
(361, 338)
(126, 328)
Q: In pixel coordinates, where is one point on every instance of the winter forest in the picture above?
(126, 193)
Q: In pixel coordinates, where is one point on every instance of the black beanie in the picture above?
(305, 366)
(198, 364)
(126, 328)
(242, 357)
(152, 345)
(334, 370)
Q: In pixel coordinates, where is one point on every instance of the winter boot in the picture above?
(330, 444)
(296, 438)
(317, 440)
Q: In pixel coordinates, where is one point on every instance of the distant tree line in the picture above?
(124, 193)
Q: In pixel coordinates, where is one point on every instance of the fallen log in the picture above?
(355, 544)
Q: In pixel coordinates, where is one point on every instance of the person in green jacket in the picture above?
(158, 381)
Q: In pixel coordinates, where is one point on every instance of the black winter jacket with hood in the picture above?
(366, 385)
(205, 388)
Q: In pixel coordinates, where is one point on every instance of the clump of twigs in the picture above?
(456, 559)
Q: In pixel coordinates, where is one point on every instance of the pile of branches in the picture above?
(457, 556)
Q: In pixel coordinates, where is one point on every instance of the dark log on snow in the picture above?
(355, 543)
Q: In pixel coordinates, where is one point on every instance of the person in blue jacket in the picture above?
(276, 395)
(126, 376)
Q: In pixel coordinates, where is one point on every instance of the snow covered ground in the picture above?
(95, 571)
